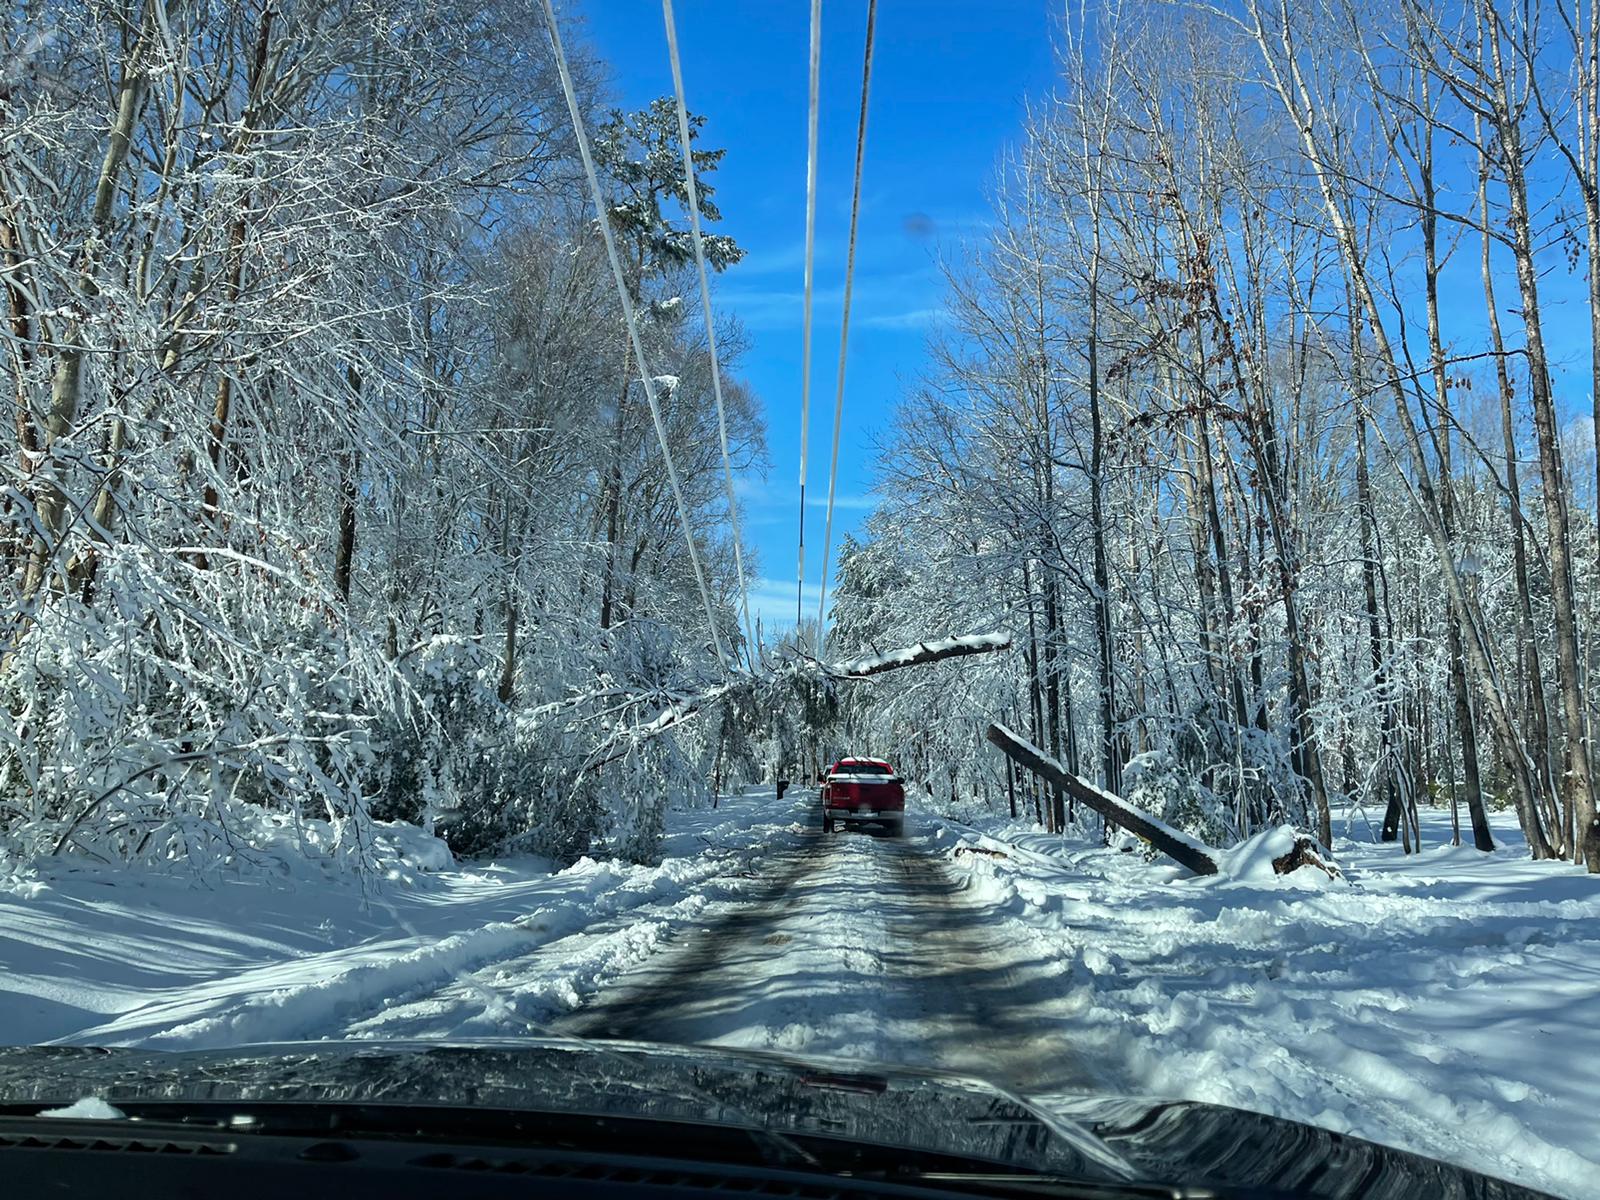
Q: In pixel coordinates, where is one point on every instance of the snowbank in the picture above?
(1255, 861)
(96, 955)
(1437, 1002)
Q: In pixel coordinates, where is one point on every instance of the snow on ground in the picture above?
(1443, 1002)
(90, 955)
(863, 948)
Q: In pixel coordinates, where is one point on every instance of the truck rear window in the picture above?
(851, 768)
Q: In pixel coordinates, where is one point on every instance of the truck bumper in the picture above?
(895, 815)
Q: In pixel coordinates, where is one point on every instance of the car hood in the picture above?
(1100, 1137)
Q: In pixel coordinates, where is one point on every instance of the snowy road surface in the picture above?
(1441, 1002)
(862, 947)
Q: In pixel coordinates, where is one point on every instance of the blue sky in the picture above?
(948, 93)
(950, 86)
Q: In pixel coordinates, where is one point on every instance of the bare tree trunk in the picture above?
(349, 464)
(1052, 676)
(222, 409)
(1255, 814)
(1466, 732)
(508, 666)
(613, 510)
(67, 383)
(19, 317)
(1532, 671)
(1110, 737)
(345, 551)
(1389, 751)
(1035, 691)
(1580, 785)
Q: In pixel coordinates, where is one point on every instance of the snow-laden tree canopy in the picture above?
(331, 490)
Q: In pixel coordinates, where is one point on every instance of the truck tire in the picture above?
(827, 824)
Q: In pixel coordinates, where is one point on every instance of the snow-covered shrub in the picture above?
(145, 748)
(455, 759)
(1157, 783)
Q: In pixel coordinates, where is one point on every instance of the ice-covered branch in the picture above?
(919, 654)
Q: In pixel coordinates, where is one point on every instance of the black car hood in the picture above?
(1107, 1138)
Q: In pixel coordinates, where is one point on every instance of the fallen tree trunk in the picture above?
(1194, 854)
(682, 710)
(921, 652)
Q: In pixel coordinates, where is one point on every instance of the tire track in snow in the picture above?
(867, 949)
(636, 1008)
(437, 988)
(525, 994)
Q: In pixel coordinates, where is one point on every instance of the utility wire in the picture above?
(844, 324)
(811, 246)
(633, 325)
(711, 328)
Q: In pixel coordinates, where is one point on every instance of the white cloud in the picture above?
(772, 602)
(883, 291)
(915, 318)
(851, 503)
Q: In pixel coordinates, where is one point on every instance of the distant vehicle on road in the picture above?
(863, 791)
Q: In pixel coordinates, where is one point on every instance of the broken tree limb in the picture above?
(625, 740)
(1305, 853)
(921, 652)
(685, 708)
(1192, 853)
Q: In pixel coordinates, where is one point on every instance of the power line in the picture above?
(844, 324)
(811, 247)
(633, 325)
(711, 330)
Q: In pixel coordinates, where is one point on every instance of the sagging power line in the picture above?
(646, 379)
(844, 323)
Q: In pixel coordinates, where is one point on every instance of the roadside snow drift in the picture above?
(93, 956)
(1443, 1003)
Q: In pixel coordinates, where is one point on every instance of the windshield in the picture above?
(1047, 541)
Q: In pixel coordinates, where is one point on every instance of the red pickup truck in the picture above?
(862, 791)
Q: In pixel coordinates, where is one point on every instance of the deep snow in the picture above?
(1443, 1003)
(90, 955)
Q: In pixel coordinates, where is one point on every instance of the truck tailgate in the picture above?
(868, 794)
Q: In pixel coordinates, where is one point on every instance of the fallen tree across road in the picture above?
(922, 652)
(683, 708)
(1191, 852)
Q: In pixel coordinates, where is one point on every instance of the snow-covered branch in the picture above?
(919, 654)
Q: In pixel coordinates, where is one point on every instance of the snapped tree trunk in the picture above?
(1195, 855)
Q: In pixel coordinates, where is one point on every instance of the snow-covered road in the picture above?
(1441, 1002)
(862, 947)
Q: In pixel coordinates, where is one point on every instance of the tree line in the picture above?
(1260, 414)
(330, 493)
